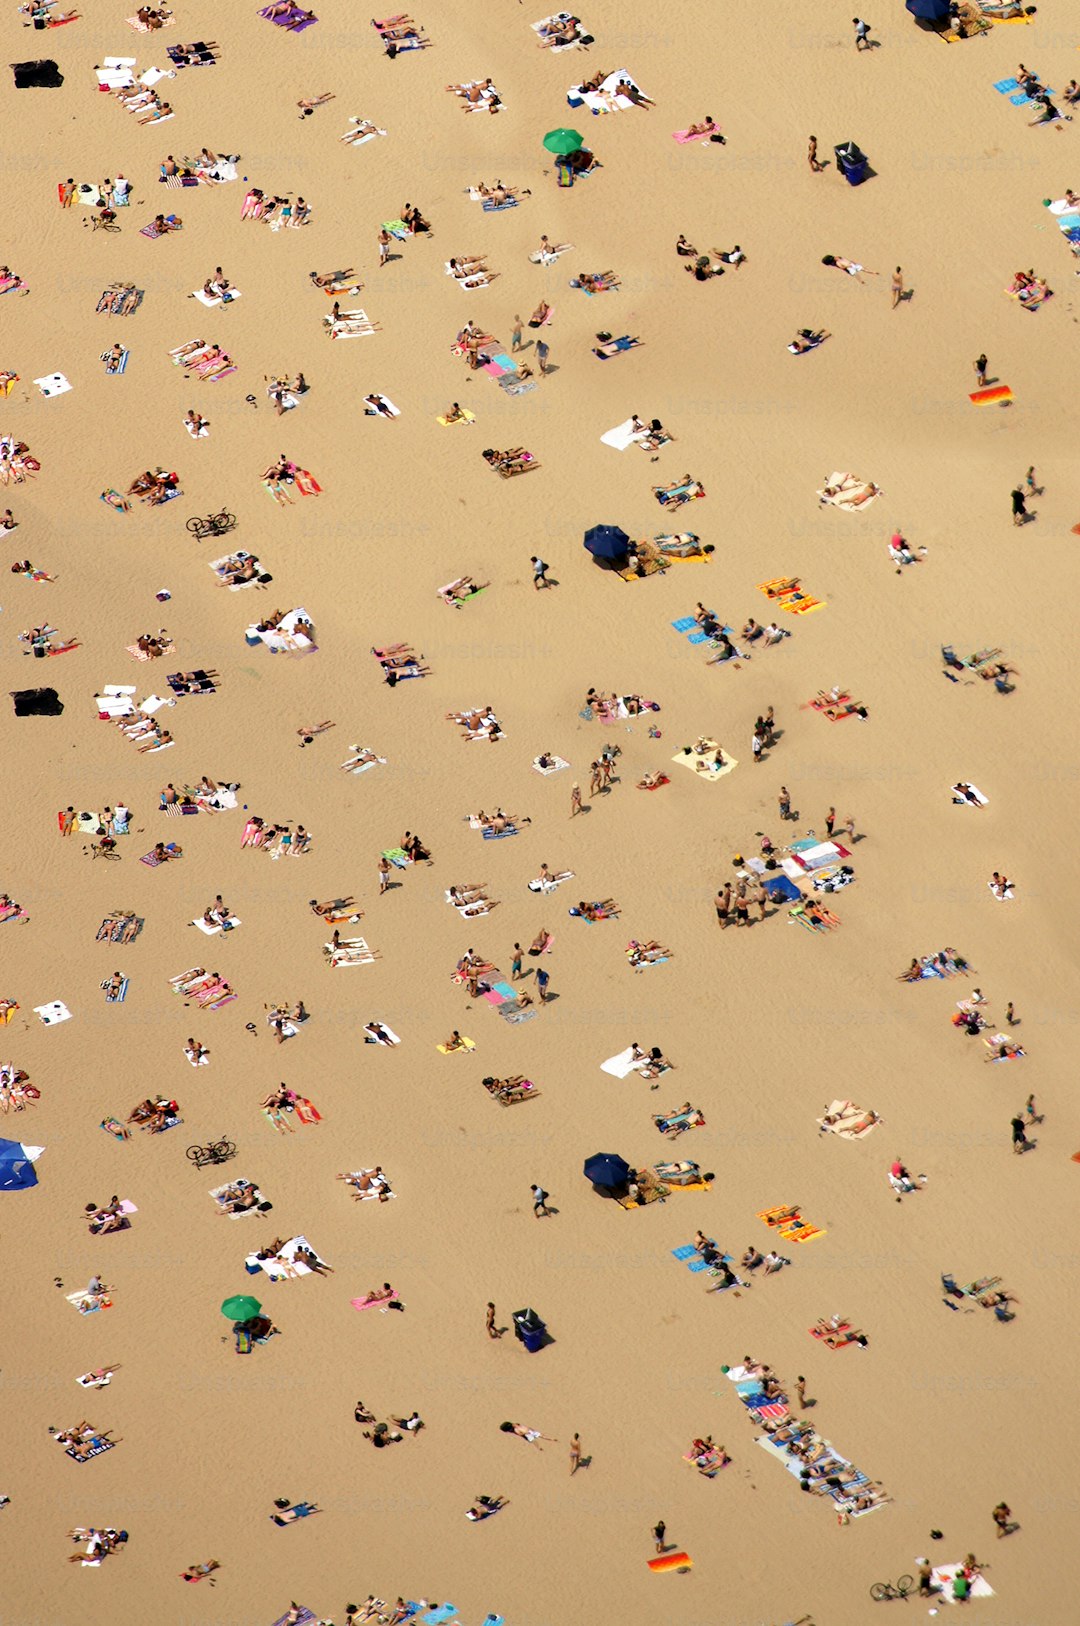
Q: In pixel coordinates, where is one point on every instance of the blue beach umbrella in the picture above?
(607, 542)
(607, 1170)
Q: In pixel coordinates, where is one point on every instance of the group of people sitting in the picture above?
(499, 823)
(1029, 289)
(154, 488)
(155, 1114)
(16, 1090)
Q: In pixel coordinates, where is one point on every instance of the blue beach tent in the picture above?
(17, 1165)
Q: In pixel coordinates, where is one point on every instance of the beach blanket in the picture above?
(624, 435)
(851, 1121)
(605, 99)
(847, 491)
(275, 1269)
(703, 766)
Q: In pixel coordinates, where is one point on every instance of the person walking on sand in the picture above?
(862, 34)
(897, 287)
(1019, 1137)
(1019, 506)
(540, 1207)
(660, 1531)
(575, 1455)
(542, 353)
(1010, 1015)
(980, 370)
(575, 799)
(816, 166)
(489, 1322)
(1001, 1516)
(539, 572)
(800, 1390)
(515, 336)
(515, 963)
(542, 979)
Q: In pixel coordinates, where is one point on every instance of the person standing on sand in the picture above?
(784, 802)
(816, 166)
(830, 820)
(1001, 1516)
(489, 1322)
(515, 963)
(384, 246)
(515, 337)
(660, 1531)
(67, 821)
(575, 799)
(575, 1455)
(384, 875)
(897, 287)
(67, 193)
(542, 979)
(980, 370)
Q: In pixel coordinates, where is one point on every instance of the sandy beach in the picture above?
(948, 1409)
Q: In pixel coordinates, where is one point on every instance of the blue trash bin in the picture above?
(852, 162)
(531, 1331)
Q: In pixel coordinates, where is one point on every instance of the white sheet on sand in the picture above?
(605, 100)
(374, 412)
(211, 301)
(562, 17)
(622, 1065)
(212, 931)
(273, 1268)
(555, 765)
(624, 435)
(846, 487)
(962, 801)
(386, 1029)
(53, 384)
(847, 1115)
(55, 1011)
(943, 1575)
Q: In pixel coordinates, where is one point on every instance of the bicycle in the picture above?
(218, 1151)
(885, 1589)
(212, 525)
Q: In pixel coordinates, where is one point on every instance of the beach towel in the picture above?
(52, 1013)
(53, 384)
(847, 1115)
(555, 765)
(118, 996)
(960, 800)
(623, 436)
(466, 417)
(121, 366)
(369, 1038)
(683, 137)
(371, 1304)
(605, 99)
(374, 412)
(706, 764)
(212, 300)
(464, 1044)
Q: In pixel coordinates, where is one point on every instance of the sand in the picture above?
(951, 1413)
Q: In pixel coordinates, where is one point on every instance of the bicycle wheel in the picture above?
(880, 1591)
(195, 1153)
(905, 1584)
(197, 527)
(226, 520)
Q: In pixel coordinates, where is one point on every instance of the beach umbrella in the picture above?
(241, 1307)
(930, 11)
(562, 142)
(607, 1170)
(607, 542)
(17, 1165)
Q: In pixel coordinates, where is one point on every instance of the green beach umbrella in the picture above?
(563, 141)
(241, 1307)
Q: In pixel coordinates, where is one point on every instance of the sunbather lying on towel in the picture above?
(646, 953)
(484, 1506)
(807, 339)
